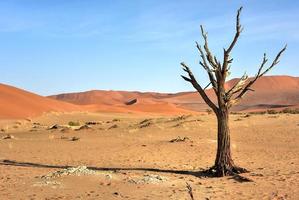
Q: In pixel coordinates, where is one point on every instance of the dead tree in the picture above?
(217, 73)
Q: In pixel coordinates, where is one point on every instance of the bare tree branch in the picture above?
(259, 74)
(205, 65)
(239, 29)
(209, 55)
(197, 86)
(226, 55)
(207, 86)
(237, 87)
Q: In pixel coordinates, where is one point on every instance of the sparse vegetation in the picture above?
(290, 111)
(92, 123)
(179, 118)
(72, 123)
(259, 113)
(113, 127)
(274, 112)
(145, 123)
(209, 111)
(236, 113)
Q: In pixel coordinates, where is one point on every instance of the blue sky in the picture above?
(56, 46)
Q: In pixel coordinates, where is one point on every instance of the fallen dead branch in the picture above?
(179, 139)
(190, 191)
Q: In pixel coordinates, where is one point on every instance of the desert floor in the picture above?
(131, 157)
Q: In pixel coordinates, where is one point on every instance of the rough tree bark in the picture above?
(217, 73)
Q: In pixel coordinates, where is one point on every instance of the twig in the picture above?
(190, 191)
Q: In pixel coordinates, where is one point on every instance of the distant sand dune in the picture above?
(17, 103)
(271, 92)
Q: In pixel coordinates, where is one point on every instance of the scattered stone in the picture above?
(179, 139)
(53, 127)
(84, 127)
(149, 179)
(116, 120)
(75, 171)
(65, 130)
(8, 137)
(2, 130)
(64, 138)
(113, 127)
(53, 184)
(75, 139)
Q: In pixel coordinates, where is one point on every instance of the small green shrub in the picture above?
(258, 113)
(272, 112)
(71, 123)
(290, 111)
(209, 111)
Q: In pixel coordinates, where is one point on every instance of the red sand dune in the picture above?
(17, 103)
(106, 97)
(270, 92)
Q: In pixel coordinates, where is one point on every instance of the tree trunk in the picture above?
(223, 164)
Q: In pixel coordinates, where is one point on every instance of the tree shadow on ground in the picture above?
(199, 174)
